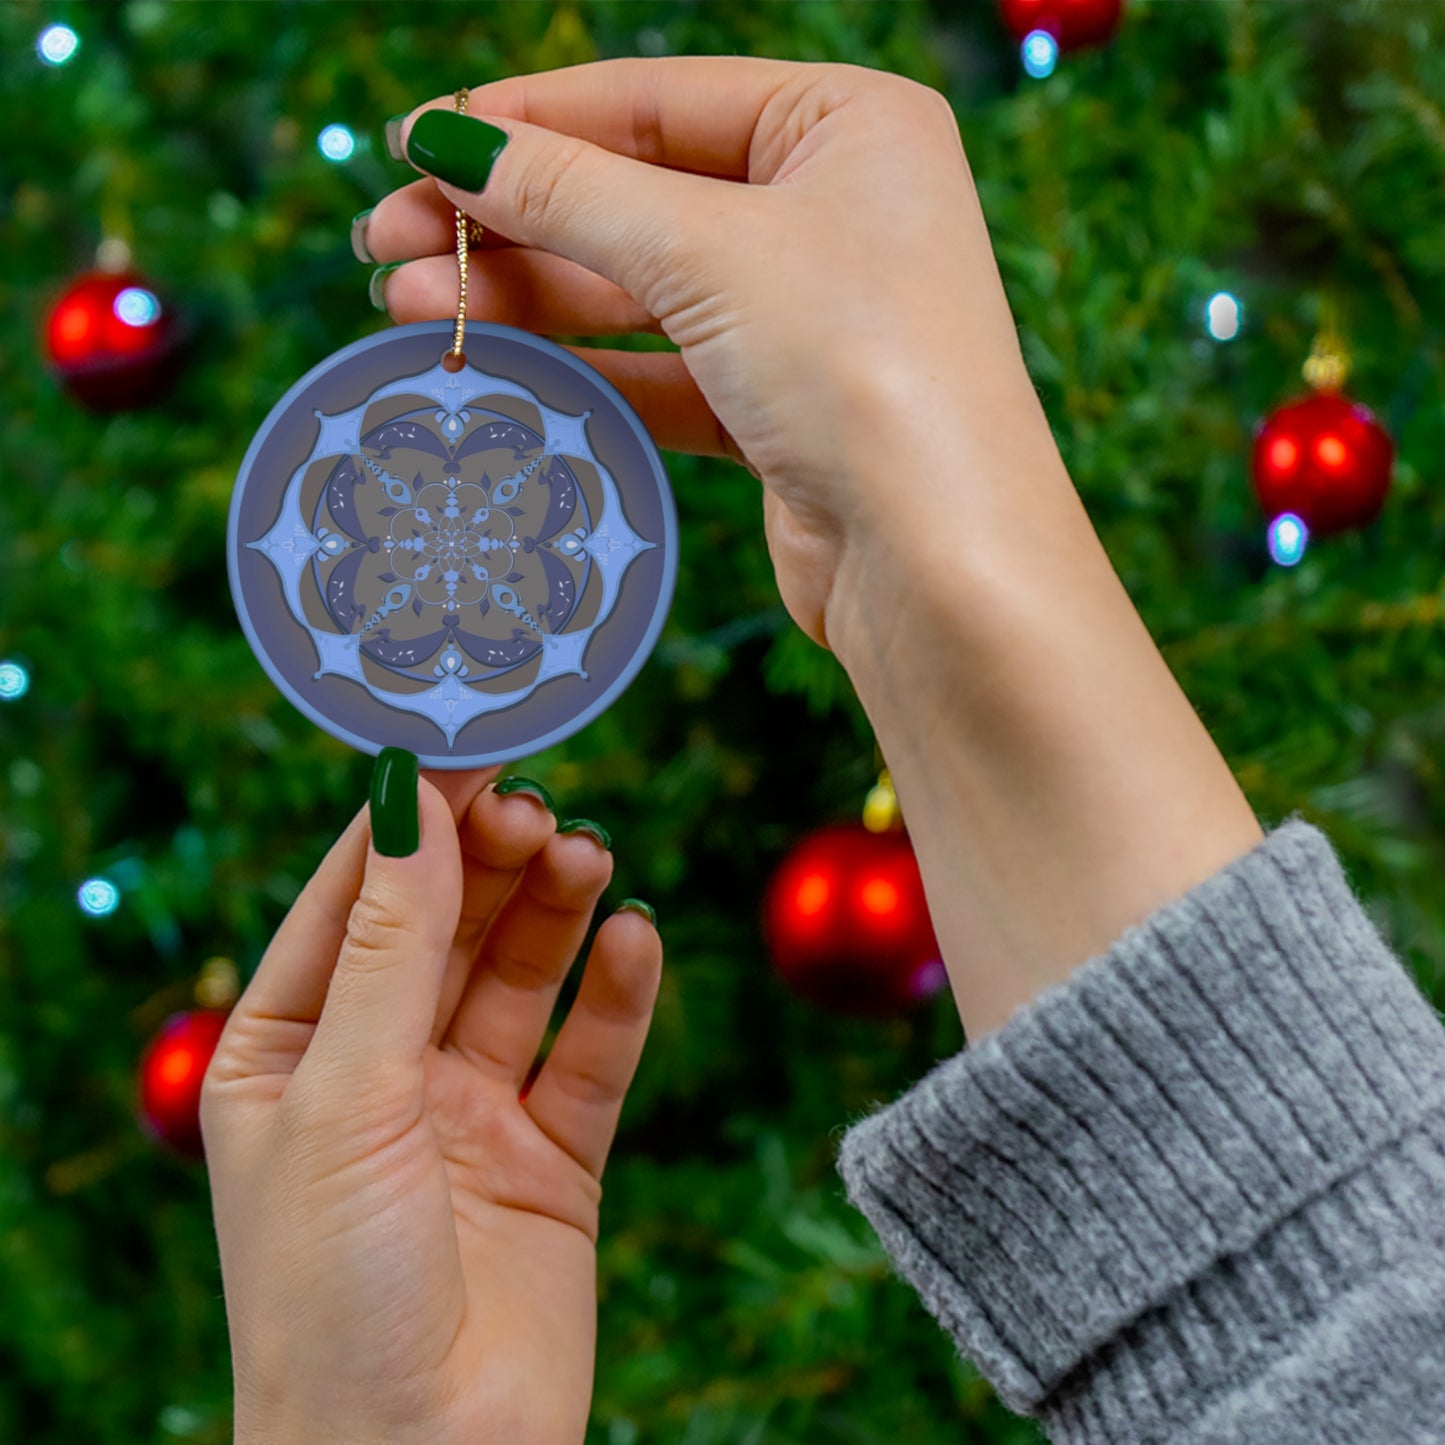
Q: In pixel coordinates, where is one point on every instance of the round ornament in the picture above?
(1073, 23)
(1326, 459)
(112, 341)
(847, 924)
(171, 1073)
(469, 555)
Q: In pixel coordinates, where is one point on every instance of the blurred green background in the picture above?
(1287, 153)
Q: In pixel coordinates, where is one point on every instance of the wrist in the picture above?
(1057, 784)
(974, 499)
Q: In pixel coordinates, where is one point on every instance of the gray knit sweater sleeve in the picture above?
(1196, 1192)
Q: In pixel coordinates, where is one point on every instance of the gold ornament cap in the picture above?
(881, 812)
(219, 984)
(1328, 366)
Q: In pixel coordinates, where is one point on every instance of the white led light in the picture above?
(14, 681)
(57, 44)
(137, 307)
(336, 143)
(1040, 53)
(1223, 316)
(98, 896)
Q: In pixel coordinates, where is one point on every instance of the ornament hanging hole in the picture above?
(454, 360)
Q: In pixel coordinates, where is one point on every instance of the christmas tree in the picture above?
(1180, 213)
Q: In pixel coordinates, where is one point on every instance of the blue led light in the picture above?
(1040, 53)
(1223, 316)
(137, 307)
(14, 681)
(98, 896)
(336, 143)
(57, 44)
(1288, 537)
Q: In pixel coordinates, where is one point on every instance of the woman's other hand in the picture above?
(408, 1246)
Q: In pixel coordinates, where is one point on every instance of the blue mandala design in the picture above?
(449, 564)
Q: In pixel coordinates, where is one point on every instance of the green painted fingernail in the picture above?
(525, 785)
(359, 248)
(456, 148)
(586, 825)
(395, 820)
(638, 906)
(377, 287)
(393, 136)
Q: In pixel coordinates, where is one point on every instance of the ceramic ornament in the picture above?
(467, 555)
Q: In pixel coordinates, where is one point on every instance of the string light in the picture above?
(1288, 537)
(336, 143)
(14, 681)
(137, 307)
(57, 44)
(98, 897)
(1223, 316)
(1040, 53)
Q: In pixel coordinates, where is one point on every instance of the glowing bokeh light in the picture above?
(1283, 454)
(177, 1066)
(57, 44)
(98, 896)
(1040, 53)
(929, 979)
(14, 681)
(1223, 316)
(1288, 537)
(73, 325)
(137, 307)
(336, 143)
(1331, 451)
(879, 897)
(812, 894)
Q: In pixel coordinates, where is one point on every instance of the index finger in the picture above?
(695, 113)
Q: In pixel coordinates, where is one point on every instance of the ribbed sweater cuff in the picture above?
(1142, 1165)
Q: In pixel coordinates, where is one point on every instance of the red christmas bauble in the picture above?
(171, 1072)
(112, 341)
(1324, 458)
(1073, 23)
(847, 924)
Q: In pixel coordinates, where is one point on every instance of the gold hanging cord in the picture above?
(469, 233)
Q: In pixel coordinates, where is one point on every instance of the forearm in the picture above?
(1057, 784)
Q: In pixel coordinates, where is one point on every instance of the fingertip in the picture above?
(395, 137)
(636, 905)
(390, 812)
(499, 832)
(573, 868)
(581, 854)
(638, 950)
(633, 960)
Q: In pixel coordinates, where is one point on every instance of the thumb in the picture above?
(382, 1000)
(628, 221)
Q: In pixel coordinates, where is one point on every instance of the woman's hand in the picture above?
(407, 1246)
(810, 237)
(833, 313)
